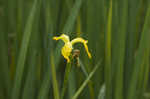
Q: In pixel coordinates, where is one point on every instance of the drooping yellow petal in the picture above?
(78, 40)
(86, 48)
(81, 40)
(63, 37)
(66, 51)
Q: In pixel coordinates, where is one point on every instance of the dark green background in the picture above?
(118, 34)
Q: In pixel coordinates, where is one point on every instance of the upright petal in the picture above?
(63, 37)
(66, 51)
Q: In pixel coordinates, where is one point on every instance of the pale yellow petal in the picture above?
(78, 40)
(86, 48)
(66, 51)
(81, 40)
(63, 37)
(56, 38)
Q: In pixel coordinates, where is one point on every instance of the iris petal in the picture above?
(81, 40)
(67, 48)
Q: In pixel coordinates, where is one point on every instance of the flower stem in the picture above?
(66, 76)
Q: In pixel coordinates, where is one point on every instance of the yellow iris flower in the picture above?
(67, 48)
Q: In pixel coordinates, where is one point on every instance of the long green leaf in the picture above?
(29, 87)
(78, 92)
(23, 51)
(131, 41)
(120, 52)
(54, 79)
(108, 67)
(102, 91)
(4, 55)
(143, 46)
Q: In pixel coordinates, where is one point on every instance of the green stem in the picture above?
(54, 79)
(67, 71)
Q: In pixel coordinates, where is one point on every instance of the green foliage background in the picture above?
(118, 34)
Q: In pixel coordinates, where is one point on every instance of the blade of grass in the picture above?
(93, 24)
(4, 62)
(108, 68)
(11, 17)
(46, 83)
(45, 86)
(90, 85)
(69, 3)
(144, 44)
(142, 80)
(23, 51)
(102, 91)
(29, 87)
(120, 49)
(72, 83)
(54, 79)
(146, 72)
(83, 68)
(79, 26)
(140, 19)
(147, 95)
(72, 17)
(19, 25)
(78, 92)
(44, 90)
(31, 63)
(46, 28)
(131, 41)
